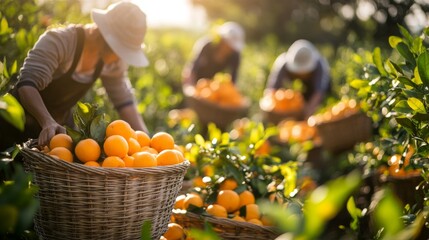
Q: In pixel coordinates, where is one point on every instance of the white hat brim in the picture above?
(133, 57)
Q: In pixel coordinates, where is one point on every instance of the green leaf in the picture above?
(423, 67)
(146, 230)
(407, 81)
(402, 107)
(98, 128)
(358, 83)
(388, 214)
(199, 140)
(394, 40)
(407, 124)
(406, 53)
(416, 105)
(405, 34)
(378, 61)
(12, 111)
(418, 45)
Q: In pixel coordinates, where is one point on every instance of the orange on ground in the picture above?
(179, 203)
(255, 221)
(120, 127)
(92, 164)
(87, 150)
(193, 199)
(174, 232)
(246, 197)
(217, 210)
(133, 146)
(61, 140)
(113, 162)
(228, 184)
(252, 212)
(229, 200)
(143, 138)
(167, 157)
(144, 159)
(62, 153)
(129, 161)
(116, 145)
(162, 141)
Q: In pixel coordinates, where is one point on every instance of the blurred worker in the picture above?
(64, 64)
(304, 62)
(216, 54)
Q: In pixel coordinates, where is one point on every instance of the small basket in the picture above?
(225, 227)
(344, 133)
(81, 202)
(276, 117)
(405, 188)
(209, 112)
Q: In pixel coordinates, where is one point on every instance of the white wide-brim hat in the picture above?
(123, 26)
(233, 34)
(302, 57)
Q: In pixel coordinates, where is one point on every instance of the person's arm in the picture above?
(312, 104)
(278, 73)
(130, 114)
(321, 80)
(33, 103)
(235, 64)
(189, 73)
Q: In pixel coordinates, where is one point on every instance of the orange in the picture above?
(252, 212)
(149, 150)
(120, 127)
(116, 145)
(193, 199)
(246, 197)
(144, 159)
(92, 164)
(62, 153)
(133, 146)
(61, 140)
(238, 218)
(167, 157)
(266, 221)
(87, 150)
(255, 221)
(229, 200)
(174, 232)
(179, 203)
(162, 141)
(180, 148)
(142, 138)
(217, 210)
(113, 162)
(228, 184)
(180, 156)
(198, 182)
(129, 161)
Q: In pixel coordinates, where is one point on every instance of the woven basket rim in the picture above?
(332, 122)
(225, 221)
(100, 170)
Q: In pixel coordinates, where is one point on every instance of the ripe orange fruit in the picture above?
(255, 221)
(129, 161)
(162, 141)
(193, 199)
(266, 221)
(116, 145)
(144, 159)
(238, 218)
(228, 184)
(87, 150)
(246, 197)
(143, 138)
(180, 156)
(133, 146)
(120, 127)
(167, 157)
(92, 164)
(62, 153)
(113, 162)
(198, 182)
(217, 210)
(149, 150)
(61, 140)
(179, 203)
(229, 200)
(252, 212)
(174, 232)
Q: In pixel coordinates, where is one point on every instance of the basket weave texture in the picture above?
(344, 133)
(226, 228)
(276, 117)
(80, 202)
(221, 115)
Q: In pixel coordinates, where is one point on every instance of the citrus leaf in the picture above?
(416, 105)
(422, 66)
(378, 61)
(358, 83)
(12, 111)
(406, 53)
(146, 230)
(407, 81)
(402, 107)
(394, 40)
(405, 34)
(98, 128)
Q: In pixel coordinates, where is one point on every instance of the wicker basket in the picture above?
(226, 228)
(405, 189)
(209, 112)
(344, 133)
(80, 202)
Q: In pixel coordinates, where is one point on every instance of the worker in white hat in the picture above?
(304, 62)
(216, 54)
(65, 62)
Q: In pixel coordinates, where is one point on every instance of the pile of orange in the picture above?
(340, 110)
(220, 90)
(282, 100)
(239, 206)
(122, 147)
(296, 131)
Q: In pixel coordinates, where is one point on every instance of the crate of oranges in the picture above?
(342, 125)
(216, 101)
(105, 190)
(280, 104)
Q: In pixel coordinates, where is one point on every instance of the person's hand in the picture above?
(48, 131)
